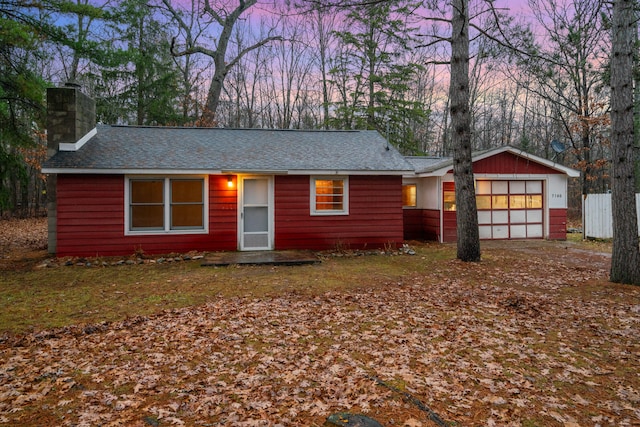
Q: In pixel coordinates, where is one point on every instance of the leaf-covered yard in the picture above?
(534, 335)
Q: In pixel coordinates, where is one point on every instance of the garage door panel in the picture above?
(534, 230)
(484, 217)
(534, 215)
(534, 201)
(518, 201)
(518, 217)
(500, 231)
(500, 187)
(500, 217)
(518, 231)
(516, 187)
(485, 231)
(500, 202)
(483, 187)
(534, 187)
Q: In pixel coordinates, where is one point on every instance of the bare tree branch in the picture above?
(190, 50)
(254, 46)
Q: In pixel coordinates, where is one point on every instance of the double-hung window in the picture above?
(329, 195)
(165, 205)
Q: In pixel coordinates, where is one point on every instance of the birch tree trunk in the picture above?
(466, 212)
(625, 260)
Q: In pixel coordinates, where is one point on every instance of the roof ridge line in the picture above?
(238, 129)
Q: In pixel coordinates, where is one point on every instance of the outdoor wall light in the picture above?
(230, 181)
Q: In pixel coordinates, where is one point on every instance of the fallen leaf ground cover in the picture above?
(534, 335)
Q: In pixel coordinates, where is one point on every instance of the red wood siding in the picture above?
(508, 163)
(91, 220)
(223, 214)
(421, 224)
(412, 224)
(557, 224)
(431, 219)
(375, 215)
(450, 226)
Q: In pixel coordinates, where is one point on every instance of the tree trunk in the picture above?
(636, 101)
(466, 212)
(208, 117)
(371, 55)
(323, 44)
(140, 75)
(625, 260)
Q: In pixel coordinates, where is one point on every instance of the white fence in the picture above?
(597, 219)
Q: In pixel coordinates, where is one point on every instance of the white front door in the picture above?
(256, 213)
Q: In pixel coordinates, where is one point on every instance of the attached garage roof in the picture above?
(142, 149)
(440, 166)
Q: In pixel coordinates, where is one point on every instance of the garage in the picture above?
(518, 196)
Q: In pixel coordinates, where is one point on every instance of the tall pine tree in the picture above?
(625, 259)
(373, 74)
(142, 84)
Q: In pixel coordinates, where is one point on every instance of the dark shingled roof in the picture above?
(429, 164)
(137, 148)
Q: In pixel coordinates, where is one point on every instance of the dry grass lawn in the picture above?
(534, 335)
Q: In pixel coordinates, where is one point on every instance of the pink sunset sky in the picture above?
(516, 7)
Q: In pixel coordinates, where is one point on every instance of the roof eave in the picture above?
(134, 171)
(350, 172)
(442, 171)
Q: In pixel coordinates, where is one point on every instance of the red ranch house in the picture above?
(115, 190)
(518, 196)
(119, 189)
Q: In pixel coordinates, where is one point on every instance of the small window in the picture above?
(165, 205)
(517, 201)
(534, 201)
(409, 196)
(450, 201)
(483, 202)
(329, 196)
(500, 202)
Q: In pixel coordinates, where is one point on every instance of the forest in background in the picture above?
(538, 74)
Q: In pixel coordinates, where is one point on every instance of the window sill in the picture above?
(164, 232)
(330, 213)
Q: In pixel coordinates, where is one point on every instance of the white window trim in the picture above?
(312, 198)
(167, 206)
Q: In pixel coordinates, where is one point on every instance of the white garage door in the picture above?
(510, 209)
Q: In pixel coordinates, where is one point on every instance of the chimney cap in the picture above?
(73, 84)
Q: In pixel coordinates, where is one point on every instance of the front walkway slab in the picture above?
(260, 258)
